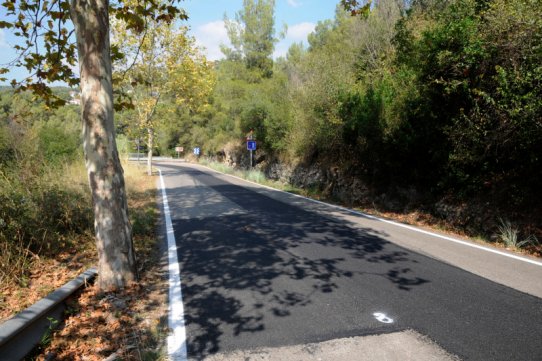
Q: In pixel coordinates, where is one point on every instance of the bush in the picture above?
(57, 143)
(45, 205)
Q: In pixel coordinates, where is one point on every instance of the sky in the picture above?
(206, 23)
(301, 16)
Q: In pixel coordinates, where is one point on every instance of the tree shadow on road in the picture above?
(247, 272)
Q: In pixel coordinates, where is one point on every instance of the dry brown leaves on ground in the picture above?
(46, 275)
(124, 325)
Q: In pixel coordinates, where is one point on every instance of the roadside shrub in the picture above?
(57, 143)
(6, 152)
(123, 145)
(39, 219)
(44, 203)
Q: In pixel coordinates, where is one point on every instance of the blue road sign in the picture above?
(196, 151)
(251, 145)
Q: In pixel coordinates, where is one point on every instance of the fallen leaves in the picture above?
(114, 323)
(45, 276)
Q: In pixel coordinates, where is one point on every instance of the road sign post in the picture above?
(179, 150)
(251, 146)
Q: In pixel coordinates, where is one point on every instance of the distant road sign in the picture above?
(196, 151)
(179, 149)
(251, 145)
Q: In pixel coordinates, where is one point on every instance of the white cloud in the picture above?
(294, 3)
(296, 33)
(210, 36)
(300, 31)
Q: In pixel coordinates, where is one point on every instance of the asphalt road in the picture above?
(263, 269)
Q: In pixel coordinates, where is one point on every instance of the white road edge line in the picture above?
(412, 228)
(176, 341)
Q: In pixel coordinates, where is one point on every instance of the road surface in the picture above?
(265, 269)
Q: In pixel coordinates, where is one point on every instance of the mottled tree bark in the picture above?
(117, 266)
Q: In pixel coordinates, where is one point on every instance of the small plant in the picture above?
(47, 336)
(510, 235)
(531, 240)
(255, 176)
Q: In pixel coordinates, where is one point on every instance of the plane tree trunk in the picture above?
(117, 263)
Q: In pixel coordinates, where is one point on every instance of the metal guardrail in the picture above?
(24, 331)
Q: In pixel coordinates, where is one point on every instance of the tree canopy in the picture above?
(47, 48)
(252, 35)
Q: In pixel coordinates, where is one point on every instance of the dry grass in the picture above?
(431, 223)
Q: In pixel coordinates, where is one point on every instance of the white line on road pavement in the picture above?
(412, 228)
(176, 341)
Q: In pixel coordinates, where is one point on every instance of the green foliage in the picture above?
(478, 75)
(362, 130)
(338, 79)
(55, 133)
(250, 92)
(123, 145)
(255, 176)
(57, 143)
(43, 203)
(252, 35)
(167, 77)
(39, 214)
(500, 135)
(46, 338)
(6, 153)
(357, 7)
(443, 97)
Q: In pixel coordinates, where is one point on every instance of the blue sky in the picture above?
(301, 16)
(207, 26)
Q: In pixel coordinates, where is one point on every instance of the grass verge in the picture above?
(256, 176)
